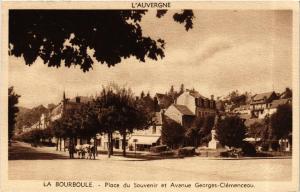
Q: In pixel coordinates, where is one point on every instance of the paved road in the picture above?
(119, 168)
(23, 151)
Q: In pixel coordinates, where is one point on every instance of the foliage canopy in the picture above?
(78, 36)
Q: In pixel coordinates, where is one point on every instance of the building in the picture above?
(260, 103)
(189, 105)
(242, 110)
(199, 105)
(273, 107)
(144, 139)
(64, 106)
(181, 114)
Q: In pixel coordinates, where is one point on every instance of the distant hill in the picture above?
(27, 117)
(23, 110)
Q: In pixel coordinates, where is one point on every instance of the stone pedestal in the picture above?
(214, 144)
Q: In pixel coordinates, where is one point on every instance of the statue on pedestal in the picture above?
(214, 144)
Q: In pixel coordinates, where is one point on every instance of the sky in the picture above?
(226, 50)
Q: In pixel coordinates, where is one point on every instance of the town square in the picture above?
(179, 95)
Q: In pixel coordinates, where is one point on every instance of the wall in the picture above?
(174, 114)
(187, 100)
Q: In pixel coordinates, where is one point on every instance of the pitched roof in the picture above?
(196, 94)
(277, 102)
(183, 109)
(56, 110)
(262, 96)
(164, 100)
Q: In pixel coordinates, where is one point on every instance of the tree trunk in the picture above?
(124, 143)
(109, 144)
(59, 144)
(65, 144)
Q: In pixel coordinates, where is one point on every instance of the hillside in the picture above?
(27, 117)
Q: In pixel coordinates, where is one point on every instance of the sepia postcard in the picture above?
(149, 96)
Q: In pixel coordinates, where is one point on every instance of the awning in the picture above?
(251, 139)
(143, 140)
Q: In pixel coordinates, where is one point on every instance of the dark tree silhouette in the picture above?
(172, 133)
(75, 37)
(13, 100)
(181, 89)
(257, 130)
(118, 110)
(200, 131)
(282, 122)
(205, 129)
(231, 131)
(57, 130)
(288, 93)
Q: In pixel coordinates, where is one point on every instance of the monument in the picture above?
(214, 143)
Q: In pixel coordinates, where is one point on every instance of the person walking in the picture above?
(71, 150)
(93, 147)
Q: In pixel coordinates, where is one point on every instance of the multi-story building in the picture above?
(260, 103)
(191, 104)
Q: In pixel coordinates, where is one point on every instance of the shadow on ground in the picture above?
(17, 152)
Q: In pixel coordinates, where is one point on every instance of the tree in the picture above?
(172, 93)
(232, 95)
(120, 111)
(47, 134)
(70, 35)
(288, 93)
(205, 129)
(171, 90)
(13, 100)
(134, 115)
(172, 133)
(200, 132)
(90, 125)
(231, 131)
(282, 122)
(257, 130)
(148, 103)
(58, 130)
(181, 89)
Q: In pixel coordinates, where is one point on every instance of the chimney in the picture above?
(212, 97)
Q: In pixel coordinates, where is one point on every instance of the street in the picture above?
(59, 167)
